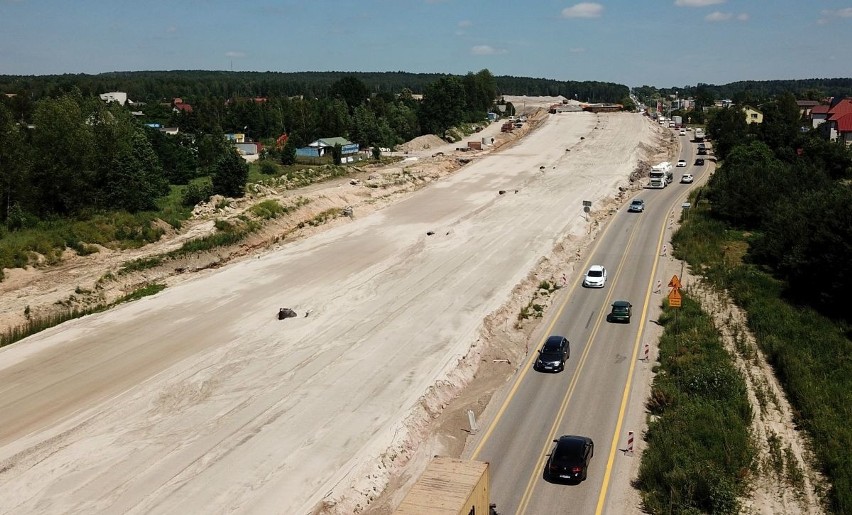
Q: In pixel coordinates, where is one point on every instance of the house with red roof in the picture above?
(838, 121)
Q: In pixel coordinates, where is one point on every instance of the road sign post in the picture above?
(675, 298)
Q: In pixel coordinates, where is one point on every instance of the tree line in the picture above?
(751, 92)
(790, 190)
(201, 85)
(66, 153)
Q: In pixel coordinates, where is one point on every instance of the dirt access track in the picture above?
(200, 397)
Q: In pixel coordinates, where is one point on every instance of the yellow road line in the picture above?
(525, 499)
(626, 393)
(530, 359)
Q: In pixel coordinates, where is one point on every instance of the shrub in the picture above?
(196, 192)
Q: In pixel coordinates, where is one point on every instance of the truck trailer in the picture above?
(449, 486)
(661, 175)
(699, 134)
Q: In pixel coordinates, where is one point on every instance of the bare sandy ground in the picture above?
(311, 413)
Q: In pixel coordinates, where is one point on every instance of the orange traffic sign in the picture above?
(674, 283)
(674, 299)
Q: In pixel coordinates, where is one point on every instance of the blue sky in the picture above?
(664, 43)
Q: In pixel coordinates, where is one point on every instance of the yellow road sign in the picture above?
(674, 299)
(675, 282)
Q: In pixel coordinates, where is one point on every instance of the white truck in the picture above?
(699, 134)
(661, 175)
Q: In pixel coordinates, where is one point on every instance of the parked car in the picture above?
(681, 163)
(637, 206)
(595, 277)
(553, 354)
(621, 311)
(699, 161)
(570, 458)
(702, 151)
(686, 178)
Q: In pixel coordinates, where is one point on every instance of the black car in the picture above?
(552, 356)
(570, 458)
(699, 162)
(621, 311)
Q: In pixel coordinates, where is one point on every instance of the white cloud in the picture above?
(234, 53)
(829, 15)
(718, 16)
(839, 13)
(171, 29)
(577, 50)
(465, 24)
(486, 50)
(583, 10)
(698, 3)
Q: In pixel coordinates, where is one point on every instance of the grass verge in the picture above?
(699, 445)
(810, 353)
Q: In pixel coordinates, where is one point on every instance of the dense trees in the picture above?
(443, 105)
(230, 174)
(794, 203)
(727, 128)
(13, 163)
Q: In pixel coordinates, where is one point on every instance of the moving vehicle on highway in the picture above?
(595, 277)
(681, 163)
(686, 178)
(553, 354)
(637, 206)
(699, 161)
(661, 175)
(621, 311)
(570, 458)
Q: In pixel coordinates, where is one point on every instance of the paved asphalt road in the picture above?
(590, 397)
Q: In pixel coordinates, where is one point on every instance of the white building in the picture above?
(114, 96)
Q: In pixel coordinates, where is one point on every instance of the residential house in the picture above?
(179, 106)
(323, 146)
(114, 96)
(805, 107)
(838, 122)
(818, 114)
(752, 115)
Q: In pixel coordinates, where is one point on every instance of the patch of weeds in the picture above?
(322, 218)
(795, 476)
(776, 457)
(144, 291)
(267, 209)
(548, 286)
(140, 264)
(105, 278)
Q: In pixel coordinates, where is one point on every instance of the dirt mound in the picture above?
(424, 142)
